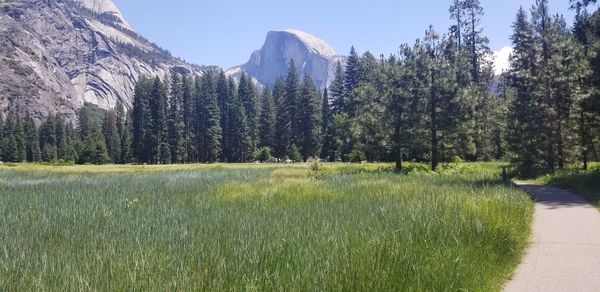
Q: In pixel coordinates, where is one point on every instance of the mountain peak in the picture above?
(318, 45)
(312, 56)
(105, 7)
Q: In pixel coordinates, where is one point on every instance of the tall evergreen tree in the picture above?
(224, 92)
(48, 139)
(93, 148)
(140, 122)
(212, 120)
(310, 116)
(282, 121)
(158, 123)
(32, 141)
(290, 110)
(189, 105)
(525, 111)
(111, 134)
(328, 143)
(337, 88)
(267, 120)
(457, 13)
(351, 81)
(369, 128)
(62, 143)
(126, 141)
(440, 88)
(248, 94)
(400, 80)
(176, 123)
(240, 141)
(9, 143)
(199, 120)
(20, 141)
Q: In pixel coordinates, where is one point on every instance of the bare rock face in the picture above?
(311, 56)
(105, 7)
(57, 55)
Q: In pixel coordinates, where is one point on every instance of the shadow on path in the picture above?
(553, 197)
(564, 251)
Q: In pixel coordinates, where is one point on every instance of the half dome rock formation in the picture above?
(312, 56)
(57, 55)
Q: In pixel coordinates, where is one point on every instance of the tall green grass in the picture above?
(248, 227)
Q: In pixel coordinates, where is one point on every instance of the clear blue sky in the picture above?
(225, 33)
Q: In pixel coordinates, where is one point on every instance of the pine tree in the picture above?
(351, 81)
(338, 98)
(231, 134)
(9, 148)
(48, 139)
(282, 121)
(399, 81)
(111, 134)
(158, 123)
(441, 89)
(240, 142)
(19, 133)
(368, 126)
(341, 126)
(212, 120)
(199, 120)
(583, 3)
(61, 139)
(525, 112)
(93, 143)
(584, 85)
(223, 92)
(176, 123)
(71, 154)
(140, 119)
(126, 140)
(327, 150)
(310, 117)
(247, 93)
(542, 32)
(290, 109)
(121, 117)
(267, 120)
(457, 13)
(188, 119)
(563, 67)
(32, 143)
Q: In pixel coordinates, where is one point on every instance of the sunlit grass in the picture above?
(258, 227)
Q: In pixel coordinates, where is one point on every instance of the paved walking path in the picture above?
(564, 252)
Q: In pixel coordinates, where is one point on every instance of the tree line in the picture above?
(554, 87)
(96, 139)
(438, 100)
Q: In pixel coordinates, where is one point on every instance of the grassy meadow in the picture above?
(251, 227)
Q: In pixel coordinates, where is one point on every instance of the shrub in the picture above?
(263, 154)
(356, 156)
(295, 155)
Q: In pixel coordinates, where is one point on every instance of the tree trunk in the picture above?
(397, 137)
(584, 144)
(475, 69)
(560, 145)
(399, 164)
(433, 113)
